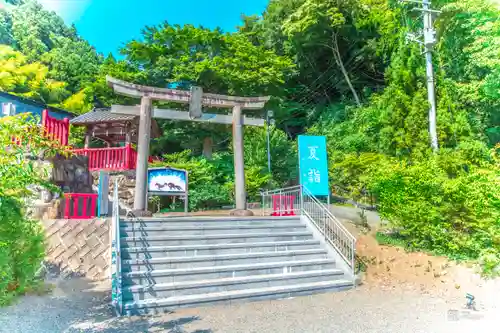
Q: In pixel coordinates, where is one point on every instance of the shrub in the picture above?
(21, 249)
(456, 214)
(211, 182)
(21, 239)
(350, 174)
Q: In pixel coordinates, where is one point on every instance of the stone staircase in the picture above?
(195, 261)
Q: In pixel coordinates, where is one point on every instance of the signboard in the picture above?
(313, 164)
(168, 181)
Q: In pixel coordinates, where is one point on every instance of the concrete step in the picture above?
(216, 249)
(135, 231)
(208, 221)
(134, 265)
(141, 292)
(219, 272)
(145, 241)
(233, 296)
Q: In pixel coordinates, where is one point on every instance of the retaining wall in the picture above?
(79, 246)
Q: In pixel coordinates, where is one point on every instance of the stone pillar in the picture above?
(239, 164)
(140, 202)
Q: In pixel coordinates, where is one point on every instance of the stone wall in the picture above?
(79, 247)
(71, 175)
(126, 186)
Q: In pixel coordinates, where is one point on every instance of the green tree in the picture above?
(29, 80)
(469, 52)
(220, 63)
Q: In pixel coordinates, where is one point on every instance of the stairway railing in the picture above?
(116, 274)
(305, 203)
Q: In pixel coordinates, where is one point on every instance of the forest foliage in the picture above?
(343, 69)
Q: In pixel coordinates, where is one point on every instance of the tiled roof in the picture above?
(101, 116)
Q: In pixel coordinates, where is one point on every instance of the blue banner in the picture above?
(313, 164)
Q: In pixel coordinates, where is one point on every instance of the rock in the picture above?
(46, 196)
(141, 213)
(241, 212)
(125, 195)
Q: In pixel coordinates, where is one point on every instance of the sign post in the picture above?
(103, 194)
(313, 165)
(168, 181)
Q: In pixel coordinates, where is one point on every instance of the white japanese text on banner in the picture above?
(313, 164)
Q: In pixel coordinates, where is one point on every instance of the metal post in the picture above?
(328, 202)
(186, 198)
(140, 199)
(301, 200)
(268, 115)
(431, 96)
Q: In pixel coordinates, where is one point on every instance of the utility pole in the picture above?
(429, 35)
(269, 122)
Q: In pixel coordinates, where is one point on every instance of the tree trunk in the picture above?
(338, 59)
(207, 148)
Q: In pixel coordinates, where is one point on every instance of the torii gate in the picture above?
(196, 100)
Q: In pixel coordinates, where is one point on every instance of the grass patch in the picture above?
(391, 240)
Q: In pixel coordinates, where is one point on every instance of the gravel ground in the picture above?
(79, 306)
(402, 295)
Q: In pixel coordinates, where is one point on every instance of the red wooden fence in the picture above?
(115, 158)
(55, 129)
(77, 205)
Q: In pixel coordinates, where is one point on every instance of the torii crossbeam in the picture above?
(196, 99)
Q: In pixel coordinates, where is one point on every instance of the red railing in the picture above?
(283, 205)
(77, 205)
(55, 129)
(115, 158)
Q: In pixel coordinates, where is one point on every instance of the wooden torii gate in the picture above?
(196, 99)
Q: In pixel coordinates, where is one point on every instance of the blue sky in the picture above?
(108, 24)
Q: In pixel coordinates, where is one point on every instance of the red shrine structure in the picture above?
(118, 132)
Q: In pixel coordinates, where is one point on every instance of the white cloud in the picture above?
(69, 10)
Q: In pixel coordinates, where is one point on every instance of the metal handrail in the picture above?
(333, 230)
(285, 189)
(290, 205)
(116, 276)
(329, 226)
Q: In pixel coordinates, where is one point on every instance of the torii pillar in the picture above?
(196, 99)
